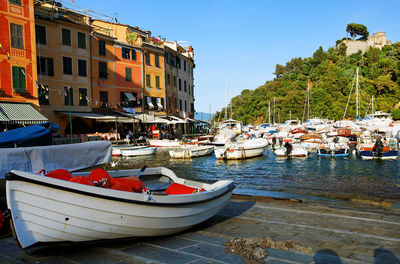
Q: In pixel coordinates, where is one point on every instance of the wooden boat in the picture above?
(51, 210)
(242, 149)
(131, 152)
(297, 151)
(191, 152)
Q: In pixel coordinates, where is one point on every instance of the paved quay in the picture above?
(334, 233)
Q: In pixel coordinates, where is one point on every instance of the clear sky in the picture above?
(238, 43)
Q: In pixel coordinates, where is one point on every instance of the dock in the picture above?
(330, 233)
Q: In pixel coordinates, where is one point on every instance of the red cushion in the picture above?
(177, 188)
(133, 182)
(60, 174)
(121, 187)
(82, 180)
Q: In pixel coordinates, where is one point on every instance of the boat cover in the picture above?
(71, 157)
(35, 135)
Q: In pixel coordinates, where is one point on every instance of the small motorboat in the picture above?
(60, 207)
(116, 150)
(191, 152)
(131, 152)
(242, 149)
(165, 143)
(388, 152)
(333, 149)
(298, 150)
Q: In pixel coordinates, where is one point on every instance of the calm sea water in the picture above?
(328, 180)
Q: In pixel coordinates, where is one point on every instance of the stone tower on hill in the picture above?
(377, 40)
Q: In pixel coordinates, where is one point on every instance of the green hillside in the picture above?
(331, 76)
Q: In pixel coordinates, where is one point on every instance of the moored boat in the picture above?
(131, 152)
(242, 149)
(116, 150)
(52, 210)
(191, 152)
(298, 150)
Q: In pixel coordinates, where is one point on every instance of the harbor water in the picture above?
(347, 180)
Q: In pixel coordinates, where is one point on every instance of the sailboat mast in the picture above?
(372, 104)
(308, 100)
(274, 111)
(226, 100)
(269, 112)
(357, 116)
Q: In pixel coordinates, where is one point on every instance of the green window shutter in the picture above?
(66, 37)
(103, 70)
(168, 79)
(81, 40)
(51, 66)
(148, 82)
(158, 81)
(15, 77)
(128, 74)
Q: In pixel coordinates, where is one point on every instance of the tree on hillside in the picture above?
(357, 29)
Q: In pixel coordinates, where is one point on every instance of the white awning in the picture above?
(130, 96)
(160, 106)
(150, 105)
(99, 117)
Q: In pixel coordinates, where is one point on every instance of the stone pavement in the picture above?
(336, 234)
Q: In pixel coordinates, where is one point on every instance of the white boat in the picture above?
(379, 121)
(131, 152)
(297, 151)
(166, 143)
(242, 149)
(117, 150)
(50, 210)
(191, 152)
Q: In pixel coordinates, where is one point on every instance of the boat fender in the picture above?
(122, 187)
(60, 174)
(82, 180)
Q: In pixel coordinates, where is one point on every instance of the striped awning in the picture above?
(20, 113)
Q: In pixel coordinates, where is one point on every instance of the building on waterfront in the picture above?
(18, 90)
(64, 64)
(377, 40)
(171, 80)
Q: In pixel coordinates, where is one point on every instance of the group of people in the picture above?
(287, 145)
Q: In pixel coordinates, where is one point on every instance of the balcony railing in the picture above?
(20, 53)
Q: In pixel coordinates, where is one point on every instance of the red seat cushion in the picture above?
(133, 182)
(60, 174)
(82, 180)
(176, 188)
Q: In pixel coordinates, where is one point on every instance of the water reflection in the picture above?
(343, 178)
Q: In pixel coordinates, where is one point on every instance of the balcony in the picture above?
(20, 53)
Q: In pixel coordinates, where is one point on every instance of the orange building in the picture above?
(18, 63)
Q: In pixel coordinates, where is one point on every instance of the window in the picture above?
(175, 81)
(185, 106)
(15, 2)
(180, 104)
(17, 36)
(178, 62)
(168, 79)
(43, 92)
(148, 81)
(189, 89)
(45, 66)
(102, 47)
(147, 55)
(128, 74)
(157, 60)
(83, 99)
(176, 103)
(18, 78)
(40, 34)
(130, 101)
(81, 40)
(158, 81)
(103, 70)
(169, 102)
(184, 85)
(66, 37)
(68, 95)
(67, 65)
(192, 108)
(126, 53)
(180, 84)
(82, 68)
(103, 99)
(184, 65)
(134, 55)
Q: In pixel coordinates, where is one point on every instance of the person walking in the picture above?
(288, 148)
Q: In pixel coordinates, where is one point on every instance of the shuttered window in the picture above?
(158, 81)
(67, 65)
(17, 36)
(68, 94)
(128, 74)
(102, 47)
(40, 34)
(66, 37)
(103, 70)
(81, 40)
(82, 68)
(148, 81)
(18, 78)
(157, 60)
(45, 66)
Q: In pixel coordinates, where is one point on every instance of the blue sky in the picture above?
(238, 43)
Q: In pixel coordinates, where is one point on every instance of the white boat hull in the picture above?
(239, 152)
(116, 150)
(138, 152)
(191, 152)
(50, 210)
(165, 143)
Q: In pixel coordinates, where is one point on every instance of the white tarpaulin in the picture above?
(71, 157)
